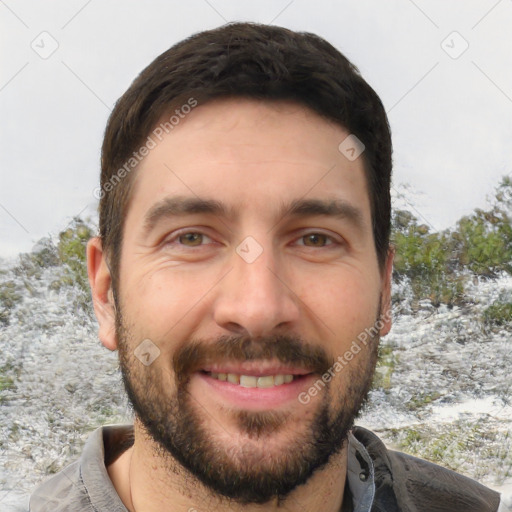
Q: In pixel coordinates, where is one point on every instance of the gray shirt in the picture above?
(378, 480)
(85, 484)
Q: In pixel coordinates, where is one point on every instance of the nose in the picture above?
(255, 299)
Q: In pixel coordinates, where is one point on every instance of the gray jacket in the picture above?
(378, 480)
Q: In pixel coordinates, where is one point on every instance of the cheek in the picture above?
(162, 304)
(346, 301)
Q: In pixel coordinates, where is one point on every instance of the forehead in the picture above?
(250, 155)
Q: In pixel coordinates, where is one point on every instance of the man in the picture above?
(243, 272)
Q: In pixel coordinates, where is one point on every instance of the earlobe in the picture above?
(385, 319)
(100, 282)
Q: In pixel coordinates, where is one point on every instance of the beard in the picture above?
(244, 470)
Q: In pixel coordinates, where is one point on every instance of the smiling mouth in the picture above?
(253, 381)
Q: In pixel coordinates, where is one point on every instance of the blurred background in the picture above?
(442, 70)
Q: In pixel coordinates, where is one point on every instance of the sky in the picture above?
(441, 68)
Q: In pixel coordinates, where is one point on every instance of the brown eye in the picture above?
(315, 240)
(191, 239)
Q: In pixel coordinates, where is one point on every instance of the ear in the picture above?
(100, 282)
(387, 275)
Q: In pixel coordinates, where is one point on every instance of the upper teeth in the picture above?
(251, 381)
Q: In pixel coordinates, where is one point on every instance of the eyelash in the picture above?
(175, 238)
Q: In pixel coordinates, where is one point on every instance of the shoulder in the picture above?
(84, 485)
(64, 491)
(415, 484)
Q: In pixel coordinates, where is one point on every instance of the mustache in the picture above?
(193, 355)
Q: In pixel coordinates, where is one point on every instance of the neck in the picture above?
(146, 480)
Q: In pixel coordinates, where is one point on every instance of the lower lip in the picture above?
(254, 398)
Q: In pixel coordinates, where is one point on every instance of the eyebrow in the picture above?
(180, 206)
(336, 208)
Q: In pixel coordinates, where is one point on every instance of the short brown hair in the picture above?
(250, 61)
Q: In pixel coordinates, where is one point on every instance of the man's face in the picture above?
(248, 260)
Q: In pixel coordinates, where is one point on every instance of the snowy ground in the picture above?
(445, 385)
(448, 388)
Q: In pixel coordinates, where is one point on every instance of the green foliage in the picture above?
(485, 243)
(385, 367)
(10, 295)
(426, 259)
(437, 264)
(8, 376)
(446, 446)
(6, 382)
(422, 399)
(483, 240)
(67, 261)
(44, 254)
(455, 444)
(72, 252)
(498, 314)
(31, 265)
